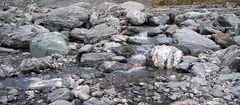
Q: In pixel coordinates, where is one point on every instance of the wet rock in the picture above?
(19, 37)
(99, 32)
(60, 102)
(159, 20)
(94, 59)
(136, 17)
(165, 57)
(67, 17)
(228, 20)
(172, 29)
(223, 39)
(237, 40)
(132, 5)
(95, 101)
(185, 102)
(184, 67)
(49, 43)
(7, 71)
(36, 64)
(82, 92)
(109, 67)
(78, 34)
(138, 60)
(59, 94)
(41, 84)
(203, 69)
(185, 38)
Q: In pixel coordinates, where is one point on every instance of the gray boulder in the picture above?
(184, 67)
(110, 66)
(49, 43)
(228, 20)
(19, 37)
(99, 32)
(7, 71)
(193, 42)
(95, 101)
(67, 17)
(60, 102)
(95, 59)
(4, 51)
(159, 20)
(78, 34)
(82, 92)
(136, 17)
(59, 94)
(203, 69)
(132, 5)
(165, 57)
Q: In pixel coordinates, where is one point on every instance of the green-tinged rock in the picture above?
(49, 43)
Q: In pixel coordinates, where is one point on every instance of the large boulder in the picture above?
(165, 57)
(193, 42)
(67, 17)
(228, 20)
(132, 5)
(49, 43)
(99, 32)
(203, 69)
(19, 37)
(136, 17)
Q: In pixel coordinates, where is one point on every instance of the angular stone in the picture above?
(59, 94)
(109, 67)
(82, 92)
(172, 29)
(223, 39)
(159, 20)
(184, 67)
(203, 69)
(78, 34)
(35, 64)
(136, 17)
(228, 20)
(49, 43)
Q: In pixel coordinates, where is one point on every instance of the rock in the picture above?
(136, 17)
(190, 15)
(109, 67)
(107, 7)
(7, 71)
(82, 92)
(237, 40)
(172, 29)
(159, 20)
(139, 40)
(41, 84)
(99, 33)
(35, 64)
(59, 94)
(184, 67)
(78, 34)
(49, 43)
(60, 102)
(68, 82)
(83, 5)
(217, 93)
(185, 38)
(185, 102)
(132, 5)
(119, 38)
(125, 51)
(191, 59)
(163, 41)
(86, 48)
(203, 69)
(30, 94)
(206, 28)
(19, 37)
(231, 76)
(228, 20)
(155, 31)
(138, 60)
(165, 57)
(4, 51)
(223, 39)
(67, 17)
(235, 64)
(95, 101)
(237, 30)
(94, 59)
(110, 45)
(174, 84)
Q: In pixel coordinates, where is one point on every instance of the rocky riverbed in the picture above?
(119, 54)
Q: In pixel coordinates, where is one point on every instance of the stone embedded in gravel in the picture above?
(159, 20)
(165, 57)
(228, 20)
(136, 17)
(132, 5)
(99, 32)
(223, 39)
(67, 17)
(59, 94)
(193, 42)
(94, 59)
(49, 43)
(78, 34)
(60, 102)
(41, 84)
(7, 71)
(203, 69)
(19, 37)
(35, 64)
(110, 66)
(184, 67)
(82, 92)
